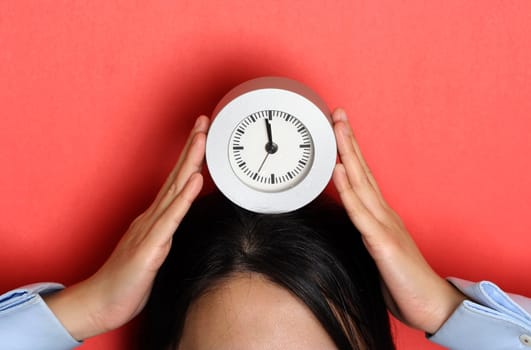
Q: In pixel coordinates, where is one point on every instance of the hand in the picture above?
(414, 292)
(118, 291)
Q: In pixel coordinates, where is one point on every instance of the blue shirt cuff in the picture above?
(491, 319)
(26, 322)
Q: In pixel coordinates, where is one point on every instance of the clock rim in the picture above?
(250, 101)
(274, 82)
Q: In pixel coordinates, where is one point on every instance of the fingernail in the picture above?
(197, 123)
(342, 115)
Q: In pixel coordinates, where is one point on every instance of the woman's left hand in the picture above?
(416, 294)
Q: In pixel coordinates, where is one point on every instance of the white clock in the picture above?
(271, 147)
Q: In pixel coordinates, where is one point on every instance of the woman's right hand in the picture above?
(118, 291)
(413, 291)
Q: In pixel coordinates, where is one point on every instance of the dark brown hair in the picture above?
(315, 252)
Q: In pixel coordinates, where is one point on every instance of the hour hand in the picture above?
(269, 135)
(270, 147)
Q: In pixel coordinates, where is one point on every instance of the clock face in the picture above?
(270, 151)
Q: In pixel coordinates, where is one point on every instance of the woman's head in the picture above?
(240, 280)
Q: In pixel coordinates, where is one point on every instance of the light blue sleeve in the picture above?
(490, 320)
(26, 322)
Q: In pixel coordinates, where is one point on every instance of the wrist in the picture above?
(449, 300)
(73, 307)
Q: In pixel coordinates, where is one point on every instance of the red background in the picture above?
(97, 97)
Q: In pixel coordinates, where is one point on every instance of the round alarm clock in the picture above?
(271, 147)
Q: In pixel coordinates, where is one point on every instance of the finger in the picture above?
(166, 224)
(340, 115)
(191, 164)
(201, 126)
(357, 177)
(360, 216)
(192, 160)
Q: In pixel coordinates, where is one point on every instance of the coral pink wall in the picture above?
(97, 97)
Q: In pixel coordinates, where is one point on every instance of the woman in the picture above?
(121, 287)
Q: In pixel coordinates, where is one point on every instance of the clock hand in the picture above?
(270, 146)
(261, 165)
(269, 135)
